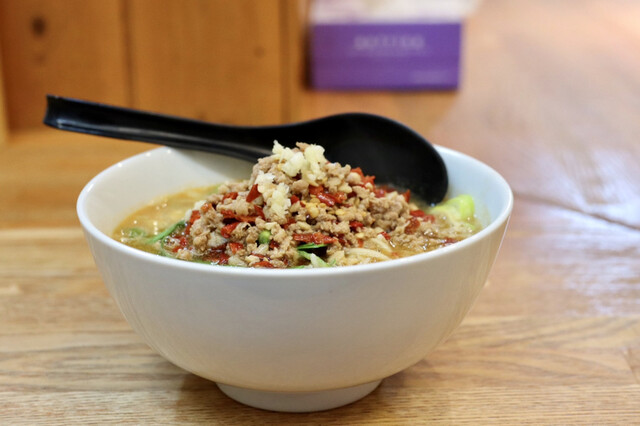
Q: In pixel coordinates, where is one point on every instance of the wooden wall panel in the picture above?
(67, 47)
(294, 58)
(214, 60)
(3, 111)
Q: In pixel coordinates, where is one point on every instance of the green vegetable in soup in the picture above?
(458, 209)
(317, 262)
(264, 237)
(168, 231)
(304, 254)
(133, 233)
(308, 246)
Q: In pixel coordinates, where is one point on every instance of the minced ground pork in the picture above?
(298, 209)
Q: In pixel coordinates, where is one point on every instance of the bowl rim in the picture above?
(288, 273)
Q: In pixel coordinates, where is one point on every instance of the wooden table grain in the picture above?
(551, 99)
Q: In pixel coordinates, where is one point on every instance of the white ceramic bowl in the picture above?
(287, 340)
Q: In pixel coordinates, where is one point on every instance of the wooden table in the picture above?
(551, 99)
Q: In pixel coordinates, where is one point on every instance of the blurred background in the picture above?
(242, 62)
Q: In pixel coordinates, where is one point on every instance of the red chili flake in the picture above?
(365, 179)
(319, 238)
(316, 238)
(340, 197)
(379, 192)
(182, 243)
(290, 221)
(263, 264)
(295, 199)
(228, 229)
(228, 214)
(195, 215)
(360, 243)
(358, 170)
(232, 195)
(448, 241)
(354, 224)
(332, 199)
(422, 215)
(368, 179)
(217, 256)
(206, 207)
(303, 238)
(253, 194)
(273, 245)
(315, 190)
(248, 219)
(326, 198)
(385, 235)
(407, 195)
(259, 210)
(222, 259)
(413, 225)
(235, 247)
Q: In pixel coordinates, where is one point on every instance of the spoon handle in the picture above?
(123, 123)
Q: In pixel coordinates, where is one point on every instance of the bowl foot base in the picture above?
(298, 402)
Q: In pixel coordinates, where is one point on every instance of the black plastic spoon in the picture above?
(392, 152)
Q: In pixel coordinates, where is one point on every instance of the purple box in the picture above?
(385, 55)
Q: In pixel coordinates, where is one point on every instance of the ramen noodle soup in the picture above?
(297, 210)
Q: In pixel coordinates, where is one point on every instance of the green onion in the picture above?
(264, 237)
(304, 254)
(134, 232)
(317, 262)
(168, 231)
(308, 246)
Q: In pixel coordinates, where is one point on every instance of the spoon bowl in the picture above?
(391, 151)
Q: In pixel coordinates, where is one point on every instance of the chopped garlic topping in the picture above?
(278, 202)
(282, 153)
(312, 170)
(265, 182)
(294, 165)
(277, 197)
(309, 163)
